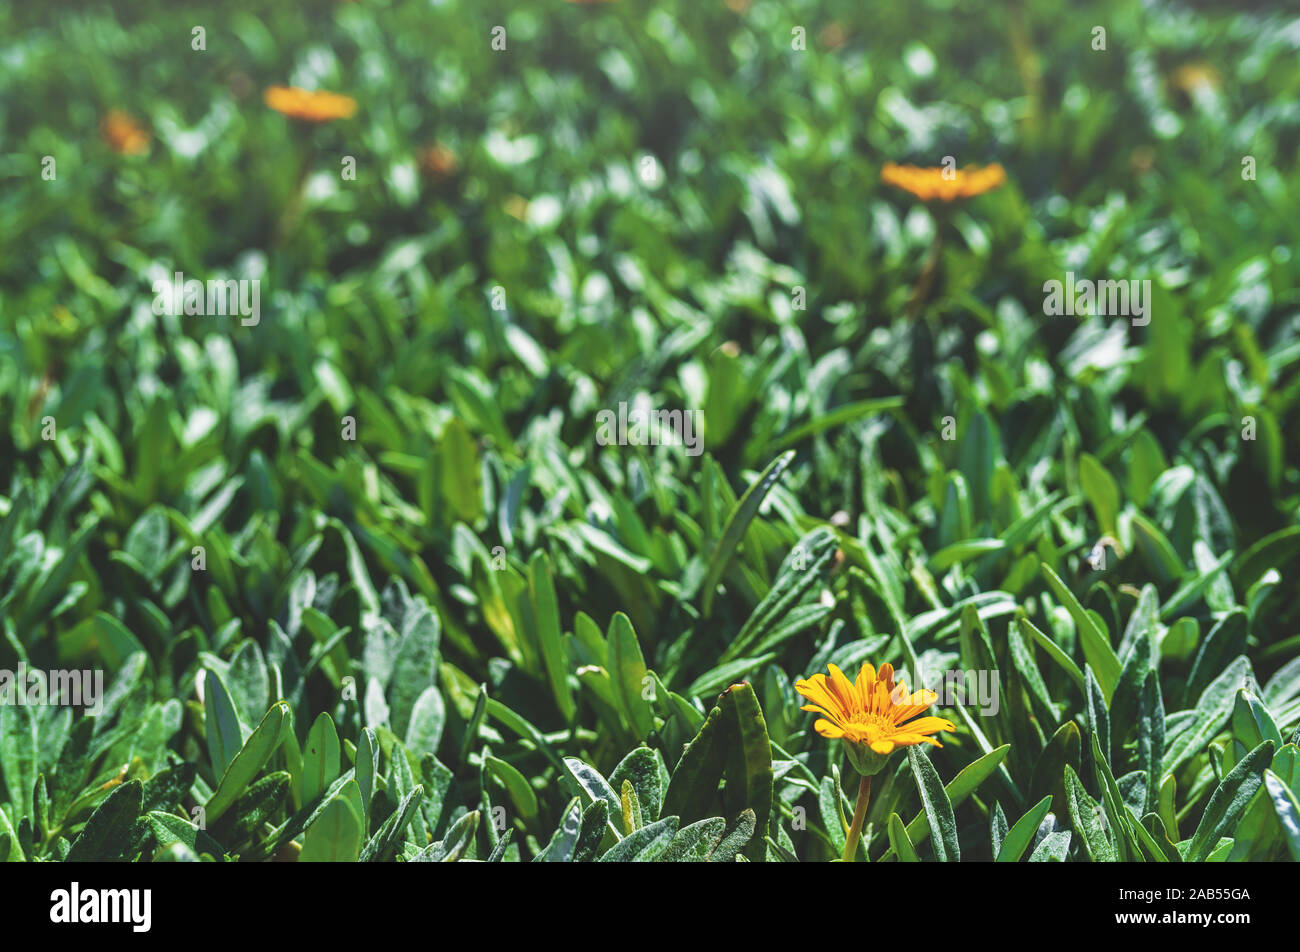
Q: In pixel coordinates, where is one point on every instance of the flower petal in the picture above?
(842, 688)
(827, 729)
(817, 709)
(907, 740)
(862, 686)
(927, 725)
(914, 705)
(817, 690)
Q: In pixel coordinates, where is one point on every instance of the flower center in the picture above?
(879, 720)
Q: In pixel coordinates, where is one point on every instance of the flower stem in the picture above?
(921, 290)
(859, 817)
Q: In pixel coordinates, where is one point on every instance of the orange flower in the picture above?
(124, 134)
(872, 715)
(928, 184)
(310, 105)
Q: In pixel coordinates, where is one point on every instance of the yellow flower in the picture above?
(124, 134)
(929, 184)
(872, 715)
(310, 105)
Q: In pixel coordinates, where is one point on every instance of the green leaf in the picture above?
(110, 832)
(644, 769)
(365, 772)
(595, 786)
(565, 839)
(414, 668)
(222, 728)
(10, 851)
(250, 759)
(19, 748)
(335, 836)
(1086, 819)
(903, 847)
(1287, 809)
(1229, 801)
(839, 416)
(320, 760)
(1095, 714)
(959, 552)
(1097, 649)
(1054, 848)
(628, 671)
(937, 806)
(997, 829)
(1252, 724)
(516, 784)
(737, 524)
(1101, 491)
(1271, 552)
(694, 843)
(966, 782)
(734, 742)
(1121, 820)
(1210, 716)
(384, 845)
(739, 835)
(1022, 832)
(1054, 651)
(168, 829)
(1151, 737)
(428, 718)
(595, 822)
(454, 845)
(799, 577)
(546, 616)
(630, 809)
(645, 845)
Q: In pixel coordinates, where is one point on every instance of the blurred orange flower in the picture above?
(124, 134)
(310, 105)
(438, 161)
(1191, 76)
(930, 183)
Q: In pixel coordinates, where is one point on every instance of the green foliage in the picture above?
(463, 628)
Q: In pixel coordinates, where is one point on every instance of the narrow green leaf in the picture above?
(938, 808)
(903, 847)
(1096, 645)
(1022, 832)
(546, 616)
(1086, 819)
(737, 524)
(249, 760)
(1229, 801)
(320, 759)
